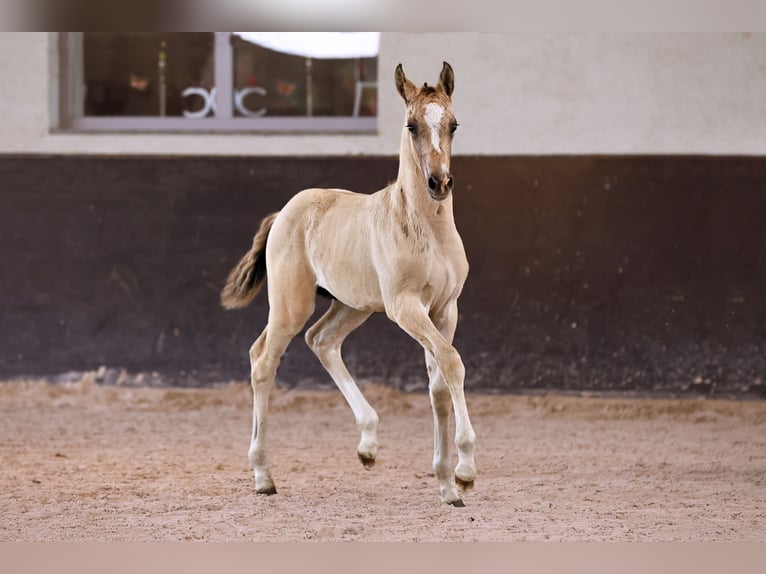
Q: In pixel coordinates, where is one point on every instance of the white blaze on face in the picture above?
(433, 117)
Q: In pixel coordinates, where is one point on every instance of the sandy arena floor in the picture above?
(84, 462)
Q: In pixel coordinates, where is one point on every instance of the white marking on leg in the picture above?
(433, 117)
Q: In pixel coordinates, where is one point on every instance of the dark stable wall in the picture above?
(636, 274)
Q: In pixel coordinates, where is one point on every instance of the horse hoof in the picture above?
(367, 461)
(267, 491)
(464, 485)
(457, 503)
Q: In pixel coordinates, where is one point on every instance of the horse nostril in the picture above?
(432, 183)
(449, 183)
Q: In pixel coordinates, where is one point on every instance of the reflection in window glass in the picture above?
(144, 73)
(131, 80)
(273, 83)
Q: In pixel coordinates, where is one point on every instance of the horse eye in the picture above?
(412, 127)
(453, 127)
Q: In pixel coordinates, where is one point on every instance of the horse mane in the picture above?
(427, 90)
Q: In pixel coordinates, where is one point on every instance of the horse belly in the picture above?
(352, 283)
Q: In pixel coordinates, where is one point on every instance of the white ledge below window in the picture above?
(284, 125)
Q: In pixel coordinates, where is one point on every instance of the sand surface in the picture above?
(86, 462)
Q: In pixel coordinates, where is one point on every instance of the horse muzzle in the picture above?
(439, 190)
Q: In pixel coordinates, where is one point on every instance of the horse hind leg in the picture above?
(325, 338)
(265, 355)
(261, 381)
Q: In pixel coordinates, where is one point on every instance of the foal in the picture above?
(397, 251)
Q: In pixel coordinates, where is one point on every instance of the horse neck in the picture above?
(411, 193)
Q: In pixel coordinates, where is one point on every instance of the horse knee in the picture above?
(451, 366)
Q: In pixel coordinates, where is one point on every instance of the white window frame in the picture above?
(73, 119)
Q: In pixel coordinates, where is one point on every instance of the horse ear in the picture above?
(447, 79)
(405, 87)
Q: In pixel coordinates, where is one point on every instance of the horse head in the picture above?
(431, 125)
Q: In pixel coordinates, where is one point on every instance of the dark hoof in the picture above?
(366, 461)
(267, 491)
(457, 503)
(464, 485)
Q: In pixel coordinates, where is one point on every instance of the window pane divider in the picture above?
(224, 75)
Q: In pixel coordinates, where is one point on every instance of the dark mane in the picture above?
(427, 90)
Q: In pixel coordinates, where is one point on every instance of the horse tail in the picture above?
(246, 278)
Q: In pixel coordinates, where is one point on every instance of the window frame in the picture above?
(72, 119)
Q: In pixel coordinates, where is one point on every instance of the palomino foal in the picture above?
(397, 251)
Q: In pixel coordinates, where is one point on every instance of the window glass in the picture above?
(277, 83)
(186, 81)
(144, 73)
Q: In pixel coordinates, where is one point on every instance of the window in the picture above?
(219, 81)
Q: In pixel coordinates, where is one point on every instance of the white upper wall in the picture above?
(514, 94)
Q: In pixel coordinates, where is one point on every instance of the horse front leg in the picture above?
(441, 406)
(412, 316)
(465, 438)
